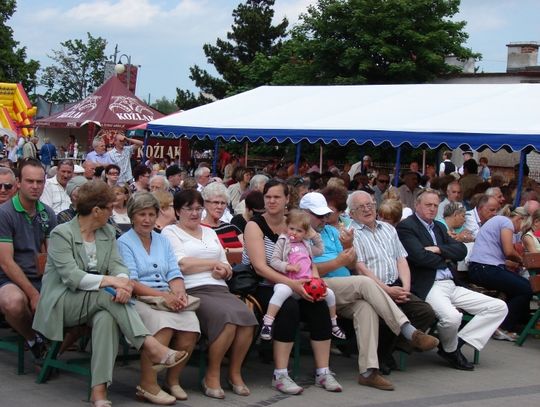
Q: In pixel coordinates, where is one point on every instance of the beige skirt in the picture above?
(155, 320)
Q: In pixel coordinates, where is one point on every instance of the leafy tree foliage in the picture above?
(13, 65)
(165, 105)
(371, 41)
(78, 70)
(252, 33)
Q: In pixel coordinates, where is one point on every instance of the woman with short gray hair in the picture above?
(216, 199)
(154, 271)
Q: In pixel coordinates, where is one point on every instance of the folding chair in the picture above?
(531, 261)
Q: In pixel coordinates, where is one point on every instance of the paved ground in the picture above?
(507, 375)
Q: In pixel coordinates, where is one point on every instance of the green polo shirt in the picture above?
(26, 233)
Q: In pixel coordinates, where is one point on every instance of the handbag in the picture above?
(159, 303)
(244, 280)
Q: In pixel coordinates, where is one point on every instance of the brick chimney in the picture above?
(522, 55)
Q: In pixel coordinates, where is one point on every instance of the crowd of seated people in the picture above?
(388, 253)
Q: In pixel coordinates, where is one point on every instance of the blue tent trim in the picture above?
(432, 140)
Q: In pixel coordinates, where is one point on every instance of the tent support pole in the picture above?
(145, 145)
(423, 161)
(321, 159)
(216, 156)
(246, 149)
(297, 159)
(522, 162)
(398, 163)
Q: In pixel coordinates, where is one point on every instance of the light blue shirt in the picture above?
(487, 247)
(332, 247)
(155, 269)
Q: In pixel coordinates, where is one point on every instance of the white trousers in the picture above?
(447, 299)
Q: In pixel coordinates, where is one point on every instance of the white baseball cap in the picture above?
(315, 202)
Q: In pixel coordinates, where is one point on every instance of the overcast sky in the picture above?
(166, 37)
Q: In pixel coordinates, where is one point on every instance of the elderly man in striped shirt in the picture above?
(381, 257)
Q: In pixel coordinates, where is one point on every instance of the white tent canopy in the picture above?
(482, 115)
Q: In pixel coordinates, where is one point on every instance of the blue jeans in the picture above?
(516, 288)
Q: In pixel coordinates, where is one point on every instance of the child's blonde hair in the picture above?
(299, 217)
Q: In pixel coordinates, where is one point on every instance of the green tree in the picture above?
(252, 33)
(13, 65)
(371, 41)
(165, 105)
(78, 70)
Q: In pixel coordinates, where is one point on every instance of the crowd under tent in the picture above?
(474, 116)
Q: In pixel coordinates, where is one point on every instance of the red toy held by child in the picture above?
(316, 288)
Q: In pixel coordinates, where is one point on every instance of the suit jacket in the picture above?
(66, 265)
(423, 263)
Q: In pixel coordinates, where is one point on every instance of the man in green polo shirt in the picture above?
(25, 225)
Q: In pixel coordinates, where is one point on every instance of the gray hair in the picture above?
(159, 176)
(492, 191)
(96, 141)
(199, 172)
(139, 201)
(7, 171)
(452, 208)
(353, 196)
(256, 180)
(214, 190)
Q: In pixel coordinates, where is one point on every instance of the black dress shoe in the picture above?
(456, 359)
(387, 364)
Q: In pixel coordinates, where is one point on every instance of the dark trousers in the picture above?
(419, 313)
(315, 314)
(516, 288)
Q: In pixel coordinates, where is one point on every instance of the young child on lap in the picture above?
(293, 256)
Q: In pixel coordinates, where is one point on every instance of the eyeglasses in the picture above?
(192, 210)
(6, 186)
(325, 216)
(366, 207)
(383, 181)
(113, 173)
(217, 203)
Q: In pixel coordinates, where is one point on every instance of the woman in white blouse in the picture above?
(225, 321)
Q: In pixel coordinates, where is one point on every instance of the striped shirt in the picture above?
(123, 160)
(379, 249)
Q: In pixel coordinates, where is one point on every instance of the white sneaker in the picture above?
(502, 335)
(286, 385)
(328, 382)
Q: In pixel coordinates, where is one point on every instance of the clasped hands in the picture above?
(222, 271)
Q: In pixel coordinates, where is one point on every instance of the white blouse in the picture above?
(208, 247)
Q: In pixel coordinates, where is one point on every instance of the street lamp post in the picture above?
(120, 68)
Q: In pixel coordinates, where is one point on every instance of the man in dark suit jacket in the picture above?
(431, 252)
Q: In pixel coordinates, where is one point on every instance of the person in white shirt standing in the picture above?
(54, 193)
(121, 156)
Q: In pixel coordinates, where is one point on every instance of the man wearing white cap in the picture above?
(358, 297)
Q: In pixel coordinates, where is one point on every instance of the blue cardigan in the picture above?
(155, 269)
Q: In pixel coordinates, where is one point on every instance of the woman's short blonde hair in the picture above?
(164, 198)
(391, 209)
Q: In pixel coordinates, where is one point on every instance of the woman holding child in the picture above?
(261, 236)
